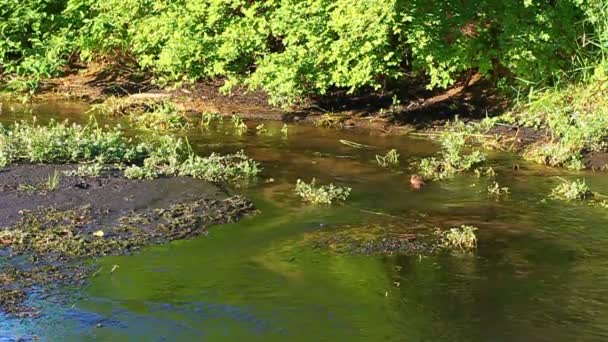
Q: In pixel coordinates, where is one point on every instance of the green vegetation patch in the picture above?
(463, 238)
(153, 157)
(453, 157)
(154, 114)
(324, 194)
(572, 190)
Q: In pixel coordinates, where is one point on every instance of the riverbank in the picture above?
(528, 129)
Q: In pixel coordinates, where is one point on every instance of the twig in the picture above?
(354, 144)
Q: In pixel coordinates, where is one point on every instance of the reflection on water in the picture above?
(541, 271)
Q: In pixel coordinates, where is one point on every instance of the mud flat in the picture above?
(49, 234)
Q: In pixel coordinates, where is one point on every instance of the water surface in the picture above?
(540, 272)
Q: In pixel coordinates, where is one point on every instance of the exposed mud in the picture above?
(52, 231)
(375, 240)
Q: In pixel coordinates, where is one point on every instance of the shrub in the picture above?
(295, 48)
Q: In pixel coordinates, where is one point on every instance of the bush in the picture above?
(295, 48)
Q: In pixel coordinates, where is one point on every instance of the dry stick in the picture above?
(514, 140)
(378, 213)
(354, 144)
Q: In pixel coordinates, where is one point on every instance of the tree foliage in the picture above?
(294, 48)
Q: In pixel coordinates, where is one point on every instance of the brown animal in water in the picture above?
(417, 182)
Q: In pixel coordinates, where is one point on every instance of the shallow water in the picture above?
(540, 272)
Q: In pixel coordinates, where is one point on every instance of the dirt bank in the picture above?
(56, 228)
(405, 106)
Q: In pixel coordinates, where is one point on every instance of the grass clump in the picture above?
(390, 159)
(330, 121)
(208, 118)
(60, 142)
(147, 114)
(325, 194)
(86, 170)
(496, 190)
(239, 125)
(574, 120)
(572, 190)
(463, 238)
(452, 158)
(153, 157)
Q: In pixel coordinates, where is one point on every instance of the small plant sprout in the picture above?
(261, 129)
(495, 189)
(209, 117)
(86, 170)
(572, 190)
(391, 159)
(52, 182)
(459, 238)
(325, 194)
(487, 172)
(239, 125)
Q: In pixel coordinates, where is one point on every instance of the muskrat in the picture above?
(416, 182)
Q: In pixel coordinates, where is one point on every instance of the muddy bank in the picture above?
(48, 233)
(403, 106)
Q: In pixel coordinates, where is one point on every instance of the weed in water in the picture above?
(495, 189)
(239, 125)
(572, 190)
(208, 118)
(391, 159)
(325, 194)
(460, 238)
(261, 129)
(452, 157)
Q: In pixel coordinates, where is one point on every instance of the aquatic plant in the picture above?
(154, 114)
(325, 194)
(460, 238)
(261, 129)
(496, 190)
(239, 125)
(572, 190)
(391, 159)
(208, 118)
(220, 168)
(285, 130)
(164, 116)
(452, 157)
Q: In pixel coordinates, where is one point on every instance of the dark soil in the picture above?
(58, 230)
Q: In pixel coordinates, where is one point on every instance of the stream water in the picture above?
(540, 272)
